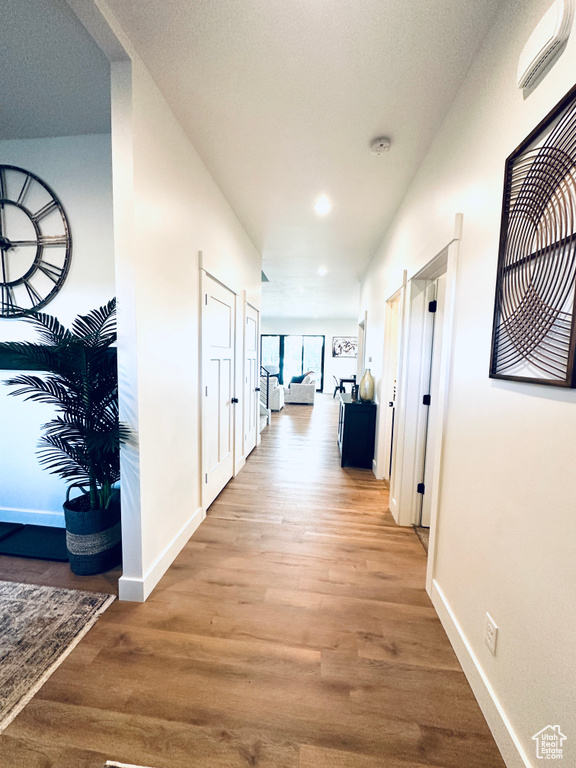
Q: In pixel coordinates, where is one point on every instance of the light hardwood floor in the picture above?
(293, 631)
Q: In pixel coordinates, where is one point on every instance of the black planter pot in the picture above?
(93, 536)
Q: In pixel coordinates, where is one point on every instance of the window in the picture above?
(270, 353)
(291, 355)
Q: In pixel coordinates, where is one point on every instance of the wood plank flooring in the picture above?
(293, 631)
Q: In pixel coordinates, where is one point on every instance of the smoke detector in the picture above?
(545, 42)
(380, 146)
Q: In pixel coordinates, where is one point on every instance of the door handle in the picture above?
(257, 389)
(234, 400)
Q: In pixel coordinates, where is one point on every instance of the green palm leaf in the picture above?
(49, 328)
(82, 443)
(97, 328)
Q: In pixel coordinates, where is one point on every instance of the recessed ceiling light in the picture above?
(322, 271)
(322, 206)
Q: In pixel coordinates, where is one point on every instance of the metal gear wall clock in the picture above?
(35, 242)
(534, 334)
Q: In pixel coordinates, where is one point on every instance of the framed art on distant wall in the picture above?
(534, 333)
(345, 346)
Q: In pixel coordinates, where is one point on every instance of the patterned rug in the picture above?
(39, 626)
(424, 535)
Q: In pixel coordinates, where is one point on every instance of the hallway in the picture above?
(293, 631)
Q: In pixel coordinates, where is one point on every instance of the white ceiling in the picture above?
(55, 80)
(281, 99)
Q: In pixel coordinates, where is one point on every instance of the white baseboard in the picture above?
(137, 590)
(506, 738)
(239, 465)
(32, 517)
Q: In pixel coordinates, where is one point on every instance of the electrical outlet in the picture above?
(491, 634)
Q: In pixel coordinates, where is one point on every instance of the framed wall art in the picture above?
(10, 361)
(533, 337)
(344, 346)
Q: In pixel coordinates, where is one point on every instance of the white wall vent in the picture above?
(545, 42)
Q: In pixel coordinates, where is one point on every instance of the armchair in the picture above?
(301, 393)
(275, 395)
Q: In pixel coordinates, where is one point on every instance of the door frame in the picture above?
(409, 416)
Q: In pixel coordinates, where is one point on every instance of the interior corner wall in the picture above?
(178, 212)
(506, 523)
(333, 366)
(78, 169)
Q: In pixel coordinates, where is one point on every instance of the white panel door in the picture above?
(218, 363)
(433, 424)
(251, 379)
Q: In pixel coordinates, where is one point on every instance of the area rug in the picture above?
(39, 626)
(424, 535)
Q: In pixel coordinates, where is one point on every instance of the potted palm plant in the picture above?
(78, 376)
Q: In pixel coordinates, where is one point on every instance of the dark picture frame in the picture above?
(11, 361)
(345, 346)
(534, 328)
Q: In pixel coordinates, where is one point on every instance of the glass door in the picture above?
(292, 357)
(270, 354)
(288, 355)
(313, 358)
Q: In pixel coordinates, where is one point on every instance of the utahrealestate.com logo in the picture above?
(549, 743)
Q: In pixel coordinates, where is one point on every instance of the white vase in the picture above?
(366, 389)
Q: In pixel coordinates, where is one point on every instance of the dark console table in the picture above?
(356, 432)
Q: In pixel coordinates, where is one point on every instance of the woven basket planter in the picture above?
(93, 536)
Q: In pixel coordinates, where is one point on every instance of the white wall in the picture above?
(79, 171)
(507, 519)
(169, 210)
(333, 366)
